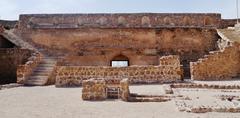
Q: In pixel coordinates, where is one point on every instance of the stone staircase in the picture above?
(12, 37)
(42, 72)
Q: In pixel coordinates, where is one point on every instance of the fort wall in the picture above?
(137, 44)
(141, 36)
(134, 20)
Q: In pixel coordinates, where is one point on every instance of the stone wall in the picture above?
(228, 23)
(9, 60)
(25, 70)
(95, 39)
(218, 65)
(190, 44)
(74, 75)
(101, 45)
(94, 89)
(172, 60)
(137, 20)
(125, 92)
(105, 60)
(8, 24)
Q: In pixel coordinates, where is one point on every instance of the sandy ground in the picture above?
(51, 102)
(229, 82)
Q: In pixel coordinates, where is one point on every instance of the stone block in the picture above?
(124, 89)
(94, 89)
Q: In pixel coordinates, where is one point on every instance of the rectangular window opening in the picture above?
(119, 63)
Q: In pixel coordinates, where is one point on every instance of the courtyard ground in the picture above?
(51, 102)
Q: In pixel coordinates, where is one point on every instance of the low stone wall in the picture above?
(25, 70)
(94, 89)
(218, 65)
(169, 60)
(73, 75)
(204, 86)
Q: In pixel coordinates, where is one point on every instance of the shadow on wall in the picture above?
(4, 43)
(10, 58)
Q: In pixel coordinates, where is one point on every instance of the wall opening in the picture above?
(4, 43)
(120, 61)
(207, 21)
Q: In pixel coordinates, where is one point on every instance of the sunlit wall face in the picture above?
(119, 63)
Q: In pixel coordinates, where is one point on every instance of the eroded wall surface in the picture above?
(136, 44)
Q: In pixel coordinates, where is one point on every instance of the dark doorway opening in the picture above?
(186, 69)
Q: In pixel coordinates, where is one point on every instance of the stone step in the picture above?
(36, 81)
(35, 77)
(48, 62)
(44, 68)
(49, 59)
(41, 73)
(46, 65)
(34, 84)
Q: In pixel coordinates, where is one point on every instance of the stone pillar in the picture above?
(124, 89)
(94, 89)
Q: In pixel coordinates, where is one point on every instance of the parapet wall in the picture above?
(167, 72)
(74, 75)
(218, 65)
(172, 60)
(134, 20)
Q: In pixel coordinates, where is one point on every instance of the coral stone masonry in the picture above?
(191, 60)
(146, 48)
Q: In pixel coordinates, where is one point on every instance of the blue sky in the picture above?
(10, 9)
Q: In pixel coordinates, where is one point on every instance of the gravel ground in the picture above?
(51, 102)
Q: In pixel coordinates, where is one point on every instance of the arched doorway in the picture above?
(207, 21)
(120, 61)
